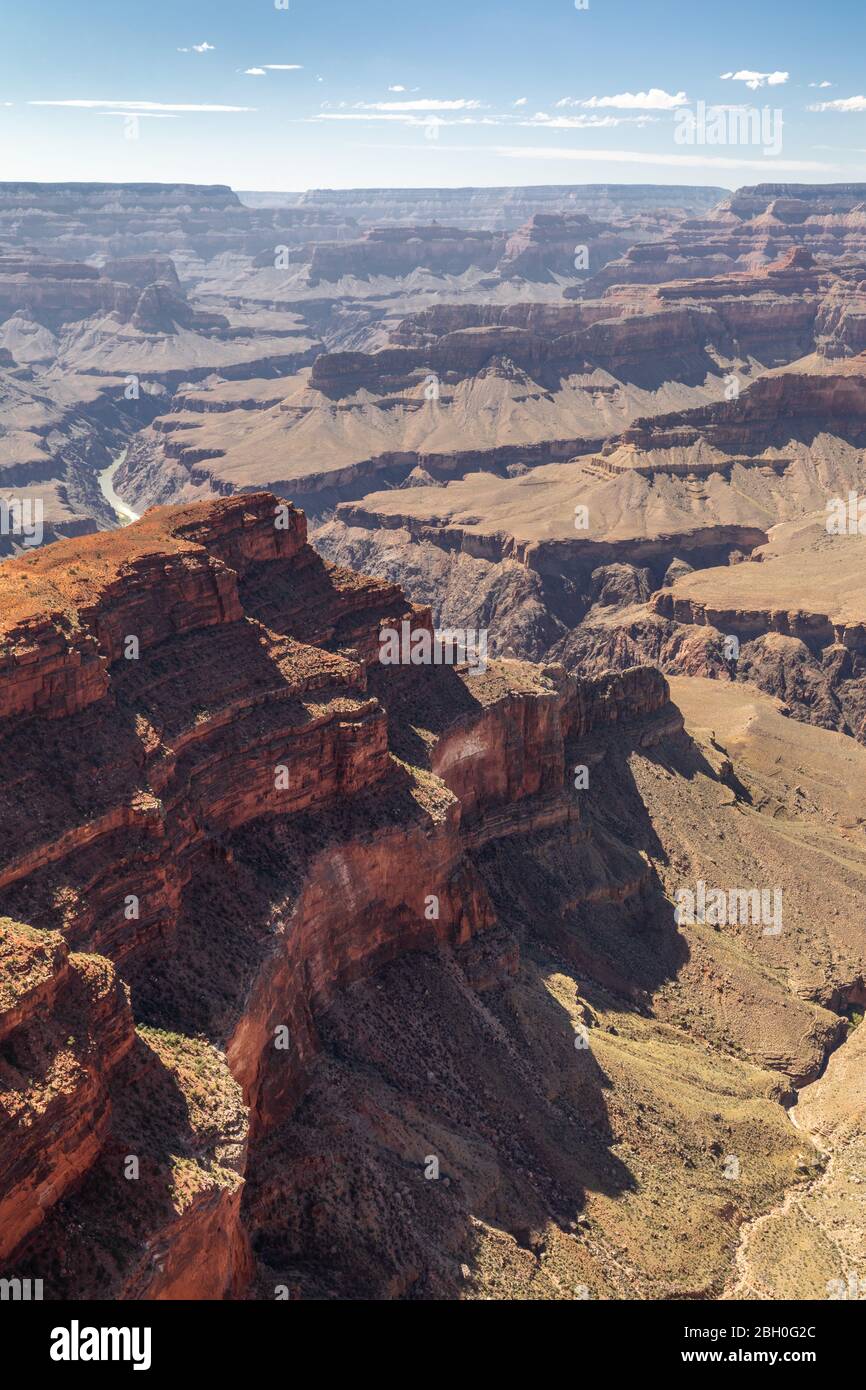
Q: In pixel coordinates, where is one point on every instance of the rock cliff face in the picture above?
(645, 342)
(54, 292)
(771, 411)
(281, 727)
(51, 1135)
(265, 900)
(526, 375)
(796, 611)
(397, 251)
(674, 330)
(190, 221)
(499, 208)
(560, 244)
(747, 231)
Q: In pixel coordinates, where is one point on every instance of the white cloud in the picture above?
(587, 122)
(654, 100)
(841, 104)
(140, 106)
(415, 113)
(820, 84)
(542, 120)
(403, 118)
(273, 67)
(754, 80)
(141, 115)
(686, 161)
(521, 101)
(422, 104)
(198, 48)
(398, 87)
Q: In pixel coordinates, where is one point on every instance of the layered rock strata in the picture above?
(226, 822)
(116, 858)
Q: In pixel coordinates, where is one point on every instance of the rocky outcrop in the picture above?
(545, 320)
(261, 825)
(180, 790)
(771, 410)
(65, 1026)
(161, 309)
(281, 922)
(561, 244)
(840, 326)
(54, 293)
(397, 251)
(747, 232)
(142, 271)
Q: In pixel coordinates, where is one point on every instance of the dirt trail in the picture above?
(747, 1285)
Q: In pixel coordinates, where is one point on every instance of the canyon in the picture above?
(114, 297)
(316, 924)
(328, 978)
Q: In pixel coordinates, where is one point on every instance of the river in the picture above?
(123, 513)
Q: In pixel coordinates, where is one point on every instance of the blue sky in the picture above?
(347, 93)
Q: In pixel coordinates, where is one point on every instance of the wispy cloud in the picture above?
(422, 112)
(404, 118)
(841, 104)
(521, 101)
(584, 122)
(141, 106)
(646, 157)
(820, 84)
(656, 99)
(398, 87)
(198, 48)
(265, 68)
(420, 104)
(141, 115)
(754, 80)
(413, 114)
